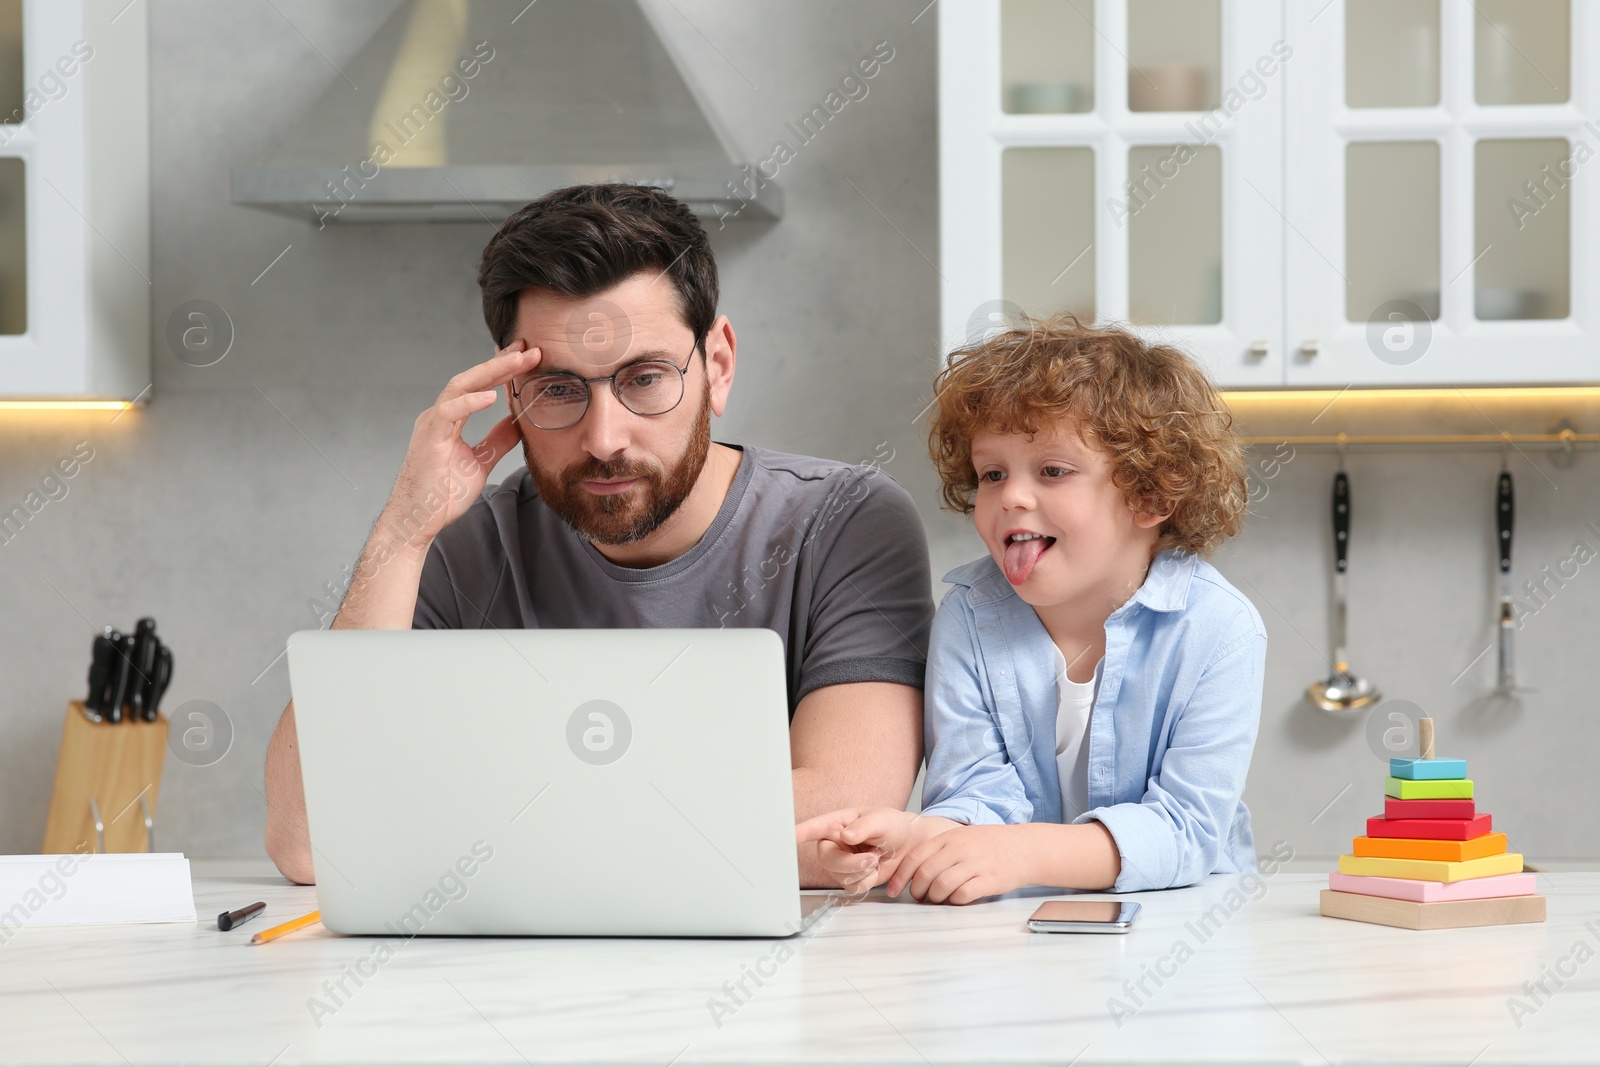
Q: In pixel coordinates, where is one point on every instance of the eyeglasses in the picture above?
(558, 400)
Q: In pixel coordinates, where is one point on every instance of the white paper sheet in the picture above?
(137, 887)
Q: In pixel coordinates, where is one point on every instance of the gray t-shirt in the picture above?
(832, 556)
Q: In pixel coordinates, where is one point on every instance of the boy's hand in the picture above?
(963, 864)
(862, 847)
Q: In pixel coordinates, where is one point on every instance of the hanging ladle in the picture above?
(1342, 692)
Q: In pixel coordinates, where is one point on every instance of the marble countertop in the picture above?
(1264, 979)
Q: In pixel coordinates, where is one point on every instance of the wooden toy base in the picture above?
(1439, 915)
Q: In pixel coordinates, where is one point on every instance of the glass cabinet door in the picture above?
(74, 201)
(1119, 160)
(1434, 158)
(1047, 229)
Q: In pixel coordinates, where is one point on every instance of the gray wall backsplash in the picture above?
(231, 504)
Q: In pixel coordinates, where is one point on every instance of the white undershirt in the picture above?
(1075, 702)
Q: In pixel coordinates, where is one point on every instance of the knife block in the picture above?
(106, 768)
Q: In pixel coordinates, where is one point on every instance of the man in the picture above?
(602, 303)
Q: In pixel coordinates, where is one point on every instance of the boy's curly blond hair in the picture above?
(1149, 407)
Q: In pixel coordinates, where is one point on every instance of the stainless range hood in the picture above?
(464, 110)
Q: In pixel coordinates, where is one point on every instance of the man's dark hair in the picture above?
(584, 239)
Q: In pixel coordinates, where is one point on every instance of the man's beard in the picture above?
(635, 513)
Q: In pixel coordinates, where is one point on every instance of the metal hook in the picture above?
(1566, 454)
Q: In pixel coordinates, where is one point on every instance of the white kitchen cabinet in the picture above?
(1241, 246)
(1062, 190)
(1438, 156)
(74, 200)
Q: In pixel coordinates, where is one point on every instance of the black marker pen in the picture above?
(229, 919)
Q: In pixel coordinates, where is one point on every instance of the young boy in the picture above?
(1093, 686)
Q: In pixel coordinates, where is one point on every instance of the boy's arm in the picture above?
(968, 863)
(970, 778)
(1076, 856)
(1175, 833)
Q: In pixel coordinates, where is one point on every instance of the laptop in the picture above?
(613, 783)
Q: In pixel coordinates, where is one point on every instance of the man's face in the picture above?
(614, 476)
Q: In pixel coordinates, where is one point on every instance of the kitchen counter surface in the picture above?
(1233, 970)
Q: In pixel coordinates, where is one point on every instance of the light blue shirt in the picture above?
(1170, 735)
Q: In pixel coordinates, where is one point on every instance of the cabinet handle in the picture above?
(1260, 349)
(1310, 349)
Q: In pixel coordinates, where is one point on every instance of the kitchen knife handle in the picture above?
(163, 679)
(134, 695)
(110, 680)
(147, 690)
(1505, 513)
(1341, 521)
(144, 661)
(99, 675)
(121, 673)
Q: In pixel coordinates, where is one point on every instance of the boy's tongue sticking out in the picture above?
(1022, 552)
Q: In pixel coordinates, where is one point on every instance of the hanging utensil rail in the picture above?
(1565, 440)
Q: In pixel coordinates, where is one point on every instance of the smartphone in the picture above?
(1084, 917)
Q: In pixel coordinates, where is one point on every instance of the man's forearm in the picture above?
(383, 589)
(288, 840)
(382, 596)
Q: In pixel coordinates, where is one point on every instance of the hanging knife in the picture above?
(1505, 517)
